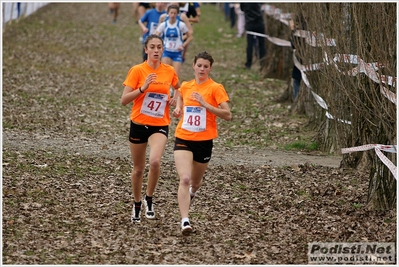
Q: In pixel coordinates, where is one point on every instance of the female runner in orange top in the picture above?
(200, 102)
(148, 86)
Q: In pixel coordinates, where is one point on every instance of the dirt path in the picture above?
(21, 141)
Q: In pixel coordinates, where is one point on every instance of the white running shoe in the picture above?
(186, 228)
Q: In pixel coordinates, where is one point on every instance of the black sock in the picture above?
(149, 202)
(137, 207)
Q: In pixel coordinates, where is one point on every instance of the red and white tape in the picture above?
(315, 39)
(378, 148)
(386, 148)
(318, 98)
(367, 68)
(389, 80)
(318, 39)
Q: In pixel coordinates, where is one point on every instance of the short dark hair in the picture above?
(203, 55)
(150, 37)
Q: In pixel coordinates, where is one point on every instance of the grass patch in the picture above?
(303, 146)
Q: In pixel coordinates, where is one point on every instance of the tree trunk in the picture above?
(348, 81)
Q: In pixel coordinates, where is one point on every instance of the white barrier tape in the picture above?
(388, 80)
(279, 42)
(301, 69)
(311, 39)
(314, 39)
(274, 40)
(387, 162)
(386, 148)
(286, 16)
(286, 22)
(318, 99)
(366, 68)
(282, 17)
(369, 69)
(388, 94)
(301, 33)
(377, 148)
(276, 13)
(355, 59)
(312, 67)
(346, 58)
(340, 120)
(257, 34)
(271, 10)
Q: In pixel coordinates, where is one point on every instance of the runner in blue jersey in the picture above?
(149, 22)
(172, 30)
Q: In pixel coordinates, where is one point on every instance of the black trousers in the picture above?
(261, 45)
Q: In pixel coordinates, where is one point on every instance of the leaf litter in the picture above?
(66, 166)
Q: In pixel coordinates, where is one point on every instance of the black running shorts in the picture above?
(139, 134)
(202, 150)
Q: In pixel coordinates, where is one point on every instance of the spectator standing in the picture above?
(199, 103)
(232, 15)
(254, 22)
(240, 20)
(226, 11)
(147, 85)
(149, 22)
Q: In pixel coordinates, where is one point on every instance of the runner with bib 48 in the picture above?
(199, 103)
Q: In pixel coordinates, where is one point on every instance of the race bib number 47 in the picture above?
(154, 105)
(194, 119)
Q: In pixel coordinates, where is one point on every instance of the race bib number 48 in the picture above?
(154, 105)
(194, 119)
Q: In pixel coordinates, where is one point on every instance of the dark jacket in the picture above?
(253, 15)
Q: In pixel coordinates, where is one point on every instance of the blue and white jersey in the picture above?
(152, 18)
(172, 34)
